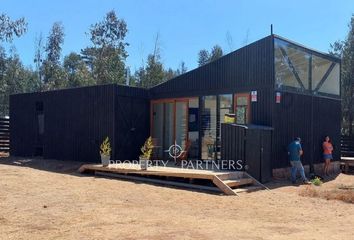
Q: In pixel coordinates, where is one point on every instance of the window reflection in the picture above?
(292, 66)
(193, 128)
(321, 67)
(242, 103)
(292, 70)
(225, 106)
(208, 118)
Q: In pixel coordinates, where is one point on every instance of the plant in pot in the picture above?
(146, 151)
(105, 151)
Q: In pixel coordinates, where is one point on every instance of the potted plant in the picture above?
(105, 151)
(146, 151)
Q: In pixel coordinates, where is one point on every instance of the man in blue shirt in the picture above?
(295, 152)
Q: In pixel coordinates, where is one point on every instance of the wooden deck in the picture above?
(225, 181)
(347, 162)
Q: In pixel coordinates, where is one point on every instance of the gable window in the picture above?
(301, 70)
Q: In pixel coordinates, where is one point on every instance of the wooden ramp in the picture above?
(226, 182)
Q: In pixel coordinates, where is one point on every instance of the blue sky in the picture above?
(184, 26)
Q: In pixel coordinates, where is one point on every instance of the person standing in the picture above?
(295, 152)
(327, 154)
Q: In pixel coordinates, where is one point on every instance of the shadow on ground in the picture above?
(51, 165)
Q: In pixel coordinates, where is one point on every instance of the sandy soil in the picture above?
(46, 199)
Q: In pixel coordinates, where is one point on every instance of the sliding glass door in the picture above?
(169, 124)
(208, 131)
(196, 121)
(168, 136)
(181, 123)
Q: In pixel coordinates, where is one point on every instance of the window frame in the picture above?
(312, 53)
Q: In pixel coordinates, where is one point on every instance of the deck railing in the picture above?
(4, 134)
(347, 146)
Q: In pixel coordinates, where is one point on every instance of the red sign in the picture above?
(254, 96)
(278, 97)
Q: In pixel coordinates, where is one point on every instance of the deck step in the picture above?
(230, 175)
(232, 183)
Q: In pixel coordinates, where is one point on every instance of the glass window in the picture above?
(225, 106)
(208, 119)
(242, 106)
(320, 67)
(291, 66)
(331, 85)
(292, 69)
(193, 129)
(225, 102)
(169, 125)
(157, 129)
(181, 123)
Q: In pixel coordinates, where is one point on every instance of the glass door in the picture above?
(181, 123)
(169, 125)
(208, 131)
(169, 135)
(157, 129)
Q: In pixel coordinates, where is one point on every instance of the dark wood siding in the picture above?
(246, 69)
(132, 125)
(76, 121)
(309, 117)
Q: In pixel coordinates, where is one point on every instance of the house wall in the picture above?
(248, 68)
(132, 125)
(76, 121)
(309, 117)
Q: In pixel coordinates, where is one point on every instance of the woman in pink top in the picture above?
(327, 154)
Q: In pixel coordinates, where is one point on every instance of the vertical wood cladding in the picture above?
(250, 67)
(75, 121)
(309, 117)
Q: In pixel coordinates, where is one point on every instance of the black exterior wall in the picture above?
(309, 117)
(77, 120)
(132, 124)
(248, 68)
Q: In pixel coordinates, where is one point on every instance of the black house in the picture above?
(272, 82)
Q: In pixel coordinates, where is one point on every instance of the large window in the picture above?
(299, 70)
(325, 76)
(208, 121)
(169, 125)
(225, 106)
(292, 66)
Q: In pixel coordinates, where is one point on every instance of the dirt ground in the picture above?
(47, 199)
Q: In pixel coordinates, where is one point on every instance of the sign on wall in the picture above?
(253, 96)
(278, 97)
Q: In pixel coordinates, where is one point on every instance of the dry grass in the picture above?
(341, 192)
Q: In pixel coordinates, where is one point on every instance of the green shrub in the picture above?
(316, 181)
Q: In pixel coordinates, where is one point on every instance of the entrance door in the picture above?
(169, 124)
